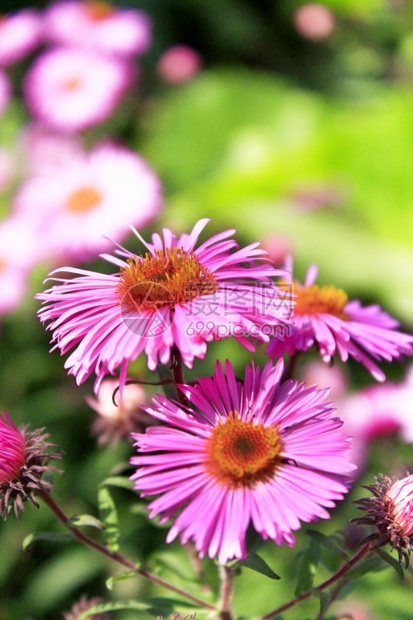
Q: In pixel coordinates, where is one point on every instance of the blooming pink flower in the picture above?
(178, 64)
(264, 452)
(324, 316)
(95, 194)
(20, 33)
(98, 26)
(5, 92)
(175, 297)
(73, 89)
(12, 450)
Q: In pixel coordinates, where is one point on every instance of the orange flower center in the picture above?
(98, 10)
(320, 300)
(84, 199)
(157, 280)
(2, 264)
(243, 453)
(72, 83)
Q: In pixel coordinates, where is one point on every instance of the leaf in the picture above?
(308, 568)
(122, 577)
(113, 606)
(81, 520)
(256, 563)
(49, 536)
(328, 542)
(369, 564)
(386, 557)
(118, 481)
(109, 516)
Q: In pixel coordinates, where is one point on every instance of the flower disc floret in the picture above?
(315, 300)
(164, 278)
(241, 453)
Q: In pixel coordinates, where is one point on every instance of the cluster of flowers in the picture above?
(69, 197)
(228, 452)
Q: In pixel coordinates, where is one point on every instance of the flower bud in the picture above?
(23, 461)
(391, 512)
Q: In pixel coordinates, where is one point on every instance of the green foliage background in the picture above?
(271, 118)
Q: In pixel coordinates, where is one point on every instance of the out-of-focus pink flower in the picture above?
(45, 150)
(279, 247)
(96, 195)
(7, 168)
(314, 21)
(332, 377)
(20, 33)
(20, 250)
(5, 92)
(118, 421)
(178, 64)
(98, 26)
(73, 89)
(264, 453)
(323, 316)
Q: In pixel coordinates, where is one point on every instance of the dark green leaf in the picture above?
(113, 606)
(328, 542)
(108, 514)
(49, 536)
(308, 568)
(255, 562)
(392, 561)
(369, 564)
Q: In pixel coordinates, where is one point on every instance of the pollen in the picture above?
(320, 300)
(154, 281)
(84, 199)
(243, 453)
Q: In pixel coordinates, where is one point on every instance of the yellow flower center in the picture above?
(320, 300)
(99, 10)
(72, 83)
(157, 280)
(84, 199)
(243, 453)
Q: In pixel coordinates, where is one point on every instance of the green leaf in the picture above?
(386, 557)
(255, 562)
(308, 568)
(328, 542)
(81, 520)
(109, 516)
(49, 536)
(113, 606)
(122, 577)
(368, 565)
(118, 481)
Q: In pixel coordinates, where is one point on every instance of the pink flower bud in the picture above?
(12, 451)
(401, 496)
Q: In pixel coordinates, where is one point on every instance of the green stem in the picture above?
(340, 573)
(227, 581)
(55, 508)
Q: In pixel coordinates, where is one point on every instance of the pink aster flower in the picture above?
(95, 194)
(12, 450)
(20, 34)
(261, 452)
(5, 92)
(174, 298)
(73, 89)
(324, 316)
(98, 26)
